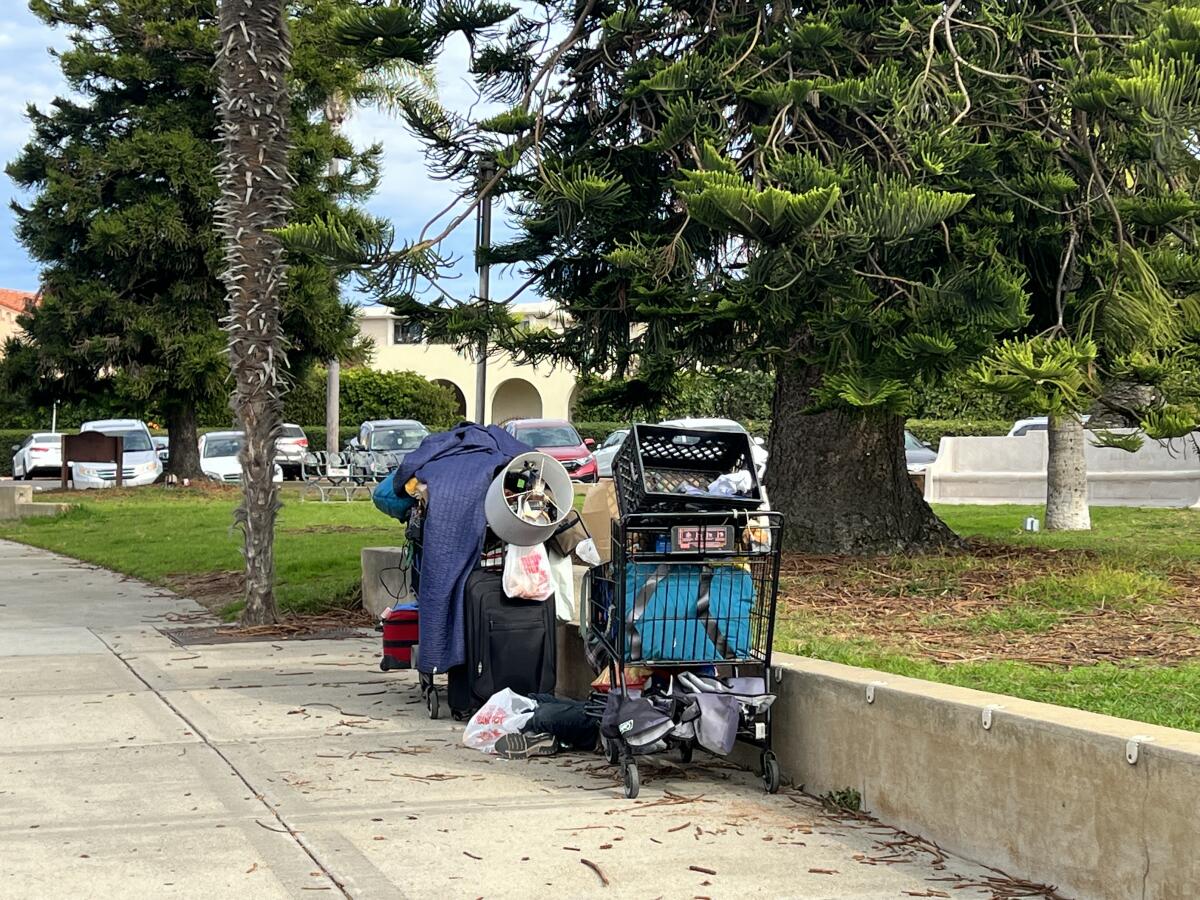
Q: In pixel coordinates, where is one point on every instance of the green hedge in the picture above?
(933, 430)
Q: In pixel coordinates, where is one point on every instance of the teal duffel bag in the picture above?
(687, 613)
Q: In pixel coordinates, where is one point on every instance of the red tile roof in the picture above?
(16, 300)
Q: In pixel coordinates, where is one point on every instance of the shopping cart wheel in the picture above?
(770, 772)
(685, 752)
(431, 702)
(612, 751)
(632, 782)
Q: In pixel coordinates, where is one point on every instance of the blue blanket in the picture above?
(687, 613)
(457, 465)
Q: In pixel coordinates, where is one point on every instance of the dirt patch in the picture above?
(212, 590)
(333, 529)
(938, 608)
(349, 623)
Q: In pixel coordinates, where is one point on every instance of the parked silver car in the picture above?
(606, 451)
(388, 441)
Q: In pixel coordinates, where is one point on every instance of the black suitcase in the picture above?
(511, 643)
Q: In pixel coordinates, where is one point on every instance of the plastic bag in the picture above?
(527, 572)
(504, 713)
(587, 552)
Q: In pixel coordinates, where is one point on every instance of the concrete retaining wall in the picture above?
(1045, 793)
(1013, 470)
(16, 502)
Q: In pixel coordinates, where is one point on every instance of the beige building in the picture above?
(12, 304)
(513, 390)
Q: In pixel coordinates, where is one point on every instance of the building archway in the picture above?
(573, 402)
(516, 398)
(460, 400)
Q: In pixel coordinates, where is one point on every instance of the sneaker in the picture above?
(523, 746)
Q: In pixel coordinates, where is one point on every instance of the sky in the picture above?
(406, 196)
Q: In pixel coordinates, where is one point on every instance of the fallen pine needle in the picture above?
(595, 868)
(703, 870)
(824, 871)
(472, 855)
(679, 827)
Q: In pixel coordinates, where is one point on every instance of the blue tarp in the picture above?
(457, 465)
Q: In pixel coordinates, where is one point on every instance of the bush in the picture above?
(367, 394)
(931, 431)
(598, 431)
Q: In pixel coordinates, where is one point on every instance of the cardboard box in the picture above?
(599, 510)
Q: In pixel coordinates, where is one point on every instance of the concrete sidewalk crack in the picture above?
(255, 792)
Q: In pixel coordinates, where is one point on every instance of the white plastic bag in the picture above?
(587, 552)
(527, 572)
(504, 713)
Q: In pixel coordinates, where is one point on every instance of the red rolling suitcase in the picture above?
(399, 637)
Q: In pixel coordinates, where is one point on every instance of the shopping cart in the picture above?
(690, 592)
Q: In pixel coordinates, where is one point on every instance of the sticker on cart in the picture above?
(707, 538)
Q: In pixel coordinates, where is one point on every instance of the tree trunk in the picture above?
(253, 58)
(840, 477)
(184, 460)
(1066, 475)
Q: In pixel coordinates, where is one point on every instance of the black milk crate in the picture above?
(656, 461)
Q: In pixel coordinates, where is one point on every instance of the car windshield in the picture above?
(1025, 429)
(291, 431)
(549, 436)
(222, 446)
(911, 442)
(397, 438)
(135, 441)
(47, 438)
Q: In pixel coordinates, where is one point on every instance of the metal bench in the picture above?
(331, 474)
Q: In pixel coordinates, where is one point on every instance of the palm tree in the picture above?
(253, 58)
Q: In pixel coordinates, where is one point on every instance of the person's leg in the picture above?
(567, 720)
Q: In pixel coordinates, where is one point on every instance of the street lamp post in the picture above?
(483, 243)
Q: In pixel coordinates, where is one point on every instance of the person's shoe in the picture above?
(523, 746)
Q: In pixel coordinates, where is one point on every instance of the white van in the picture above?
(141, 463)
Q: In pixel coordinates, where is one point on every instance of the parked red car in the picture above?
(559, 439)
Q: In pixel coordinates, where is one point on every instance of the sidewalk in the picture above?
(130, 766)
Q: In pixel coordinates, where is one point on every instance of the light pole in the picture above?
(336, 109)
(483, 243)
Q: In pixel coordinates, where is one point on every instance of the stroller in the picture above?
(689, 598)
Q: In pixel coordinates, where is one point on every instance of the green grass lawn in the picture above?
(1106, 620)
(165, 537)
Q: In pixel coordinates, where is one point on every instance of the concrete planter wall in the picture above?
(1039, 791)
(1013, 470)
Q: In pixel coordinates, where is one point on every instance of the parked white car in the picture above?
(756, 443)
(290, 449)
(1023, 427)
(605, 452)
(140, 465)
(38, 454)
(219, 457)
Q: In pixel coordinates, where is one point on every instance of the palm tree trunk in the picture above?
(1066, 475)
(253, 59)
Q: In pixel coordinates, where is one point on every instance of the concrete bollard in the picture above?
(384, 581)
